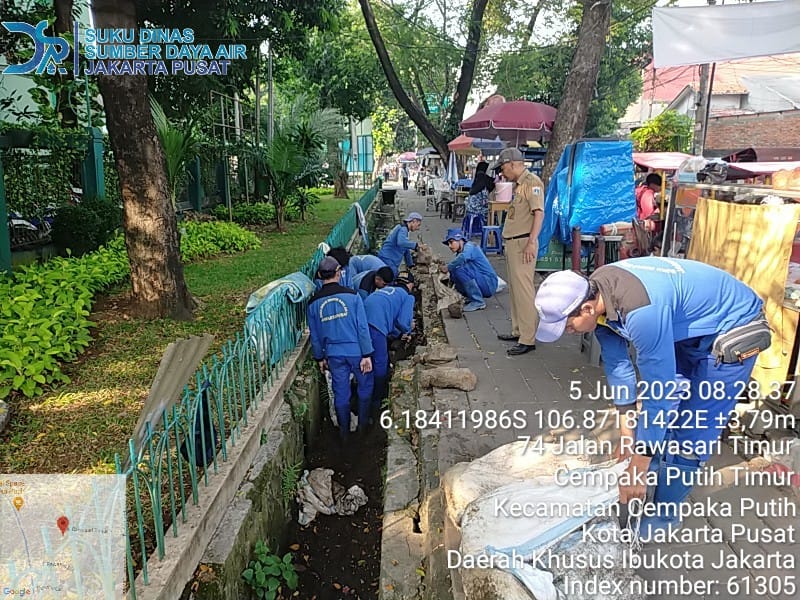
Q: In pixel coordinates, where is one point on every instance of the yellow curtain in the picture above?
(753, 242)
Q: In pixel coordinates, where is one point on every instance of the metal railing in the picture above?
(181, 452)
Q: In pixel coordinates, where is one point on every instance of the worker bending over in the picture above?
(367, 282)
(397, 246)
(390, 314)
(696, 331)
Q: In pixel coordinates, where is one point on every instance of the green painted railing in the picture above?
(182, 452)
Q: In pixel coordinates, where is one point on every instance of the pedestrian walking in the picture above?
(340, 343)
(696, 331)
(406, 175)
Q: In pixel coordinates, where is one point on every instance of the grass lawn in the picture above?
(78, 427)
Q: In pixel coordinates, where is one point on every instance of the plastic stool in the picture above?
(469, 223)
(497, 246)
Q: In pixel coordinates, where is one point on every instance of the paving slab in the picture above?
(542, 384)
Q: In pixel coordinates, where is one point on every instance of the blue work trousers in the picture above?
(341, 367)
(702, 416)
(470, 284)
(380, 366)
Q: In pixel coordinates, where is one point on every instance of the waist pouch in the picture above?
(740, 343)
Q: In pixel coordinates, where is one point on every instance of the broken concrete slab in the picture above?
(402, 479)
(438, 354)
(449, 377)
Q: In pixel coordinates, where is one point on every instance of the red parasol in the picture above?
(517, 121)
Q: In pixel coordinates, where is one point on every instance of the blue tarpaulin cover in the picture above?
(592, 185)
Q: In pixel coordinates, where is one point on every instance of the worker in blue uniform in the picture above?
(367, 282)
(470, 271)
(341, 344)
(397, 246)
(696, 331)
(342, 256)
(364, 262)
(390, 314)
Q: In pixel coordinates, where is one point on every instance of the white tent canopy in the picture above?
(705, 34)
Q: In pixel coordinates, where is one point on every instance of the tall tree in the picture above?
(573, 109)
(149, 222)
(286, 24)
(416, 110)
(539, 72)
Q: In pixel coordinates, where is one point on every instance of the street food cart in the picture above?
(749, 231)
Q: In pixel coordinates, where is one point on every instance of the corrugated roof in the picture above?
(663, 85)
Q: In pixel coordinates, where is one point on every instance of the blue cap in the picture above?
(453, 234)
(414, 216)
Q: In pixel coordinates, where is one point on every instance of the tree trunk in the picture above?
(151, 233)
(280, 215)
(340, 185)
(467, 67)
(65, 101)
(532, 23)
(579, 87)
(434, 136)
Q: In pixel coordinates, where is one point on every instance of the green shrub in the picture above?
(207, 239)
(321, 191)
(258, 213)
(46, 322)
(85, 227)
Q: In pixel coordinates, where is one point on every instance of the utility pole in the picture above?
(271, 122)
(701, 104)
(702, 107)
(258, 101)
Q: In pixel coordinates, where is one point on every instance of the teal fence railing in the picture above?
(182, 452)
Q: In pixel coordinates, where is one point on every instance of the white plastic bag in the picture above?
(501, 285)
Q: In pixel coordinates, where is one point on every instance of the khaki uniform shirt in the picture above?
(528, 197)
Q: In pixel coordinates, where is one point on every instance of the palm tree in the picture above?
(180, 143)
(293, 159)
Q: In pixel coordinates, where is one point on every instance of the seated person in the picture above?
(646, 207)
(477, 202)
(470, 271)
(397, 247)
(364, 262)
(367, 282)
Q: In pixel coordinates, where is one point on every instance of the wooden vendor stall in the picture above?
(752, 241)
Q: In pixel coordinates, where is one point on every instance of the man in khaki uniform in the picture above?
(521, 239)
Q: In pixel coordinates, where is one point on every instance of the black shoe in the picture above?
(520, 349)
(507, 337)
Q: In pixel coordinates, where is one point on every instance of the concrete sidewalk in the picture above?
(540, 384)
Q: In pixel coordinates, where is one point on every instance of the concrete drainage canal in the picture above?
(333, 556)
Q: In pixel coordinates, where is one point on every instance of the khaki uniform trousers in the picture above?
(524, 318)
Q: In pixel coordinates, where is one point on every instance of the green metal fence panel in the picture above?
(185, 447)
